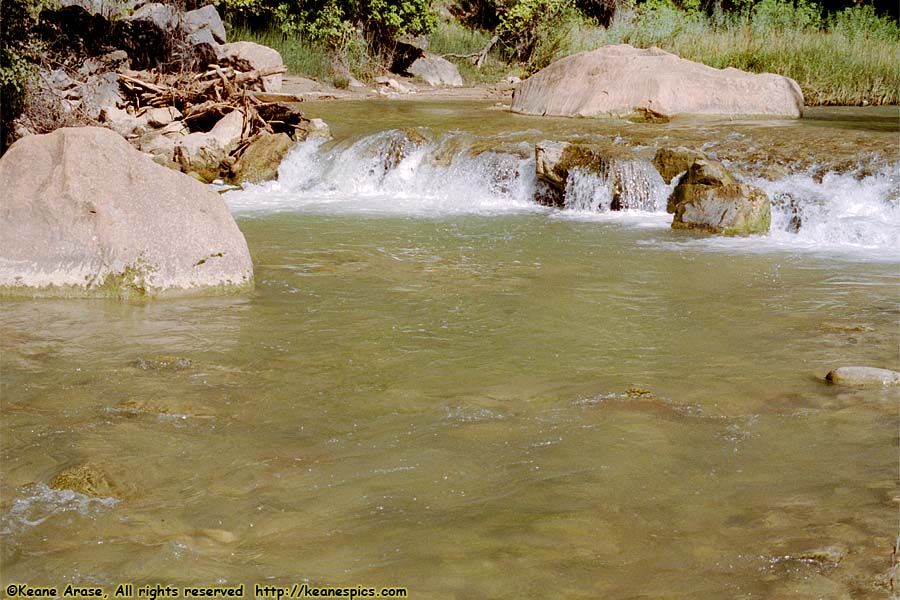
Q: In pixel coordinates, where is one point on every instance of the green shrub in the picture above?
(334, 21)
(19, 49)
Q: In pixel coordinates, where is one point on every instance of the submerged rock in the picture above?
(85, 214)
(398, 146)
(863, 376)
(162, 363)
(709, 198)
(619, 81)
(826, 555)
(85, 478)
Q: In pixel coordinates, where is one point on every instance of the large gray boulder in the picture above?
(436, 71)
(100, 92)
(709, 198)
(246, 56)
(619, 81)
(85, 214)
(165, 16)
(207, 18)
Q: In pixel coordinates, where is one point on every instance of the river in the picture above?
(440, 385)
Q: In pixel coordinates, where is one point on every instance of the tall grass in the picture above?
(315, 59)
(850, 58)
(453, 38)
(299, 55)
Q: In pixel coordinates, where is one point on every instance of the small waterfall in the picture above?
(398, 171)
(639, 186)
(588, 191)
(619, 185)
(838, 210)
(414, 172)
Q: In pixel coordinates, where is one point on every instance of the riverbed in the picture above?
(440, 385)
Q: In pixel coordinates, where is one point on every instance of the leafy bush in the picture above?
(333, 22)
(532, 29)
(19, 48)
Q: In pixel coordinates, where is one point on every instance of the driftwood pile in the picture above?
(186, 109)
(204, 98)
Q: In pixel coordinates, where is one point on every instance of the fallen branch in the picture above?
(479, 56)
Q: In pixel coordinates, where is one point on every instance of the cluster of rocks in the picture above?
(211, 126)
(170, 84)
(707, 196)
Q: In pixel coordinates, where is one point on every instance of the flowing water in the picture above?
(441, 385)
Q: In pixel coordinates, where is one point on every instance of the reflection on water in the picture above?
(482, 407)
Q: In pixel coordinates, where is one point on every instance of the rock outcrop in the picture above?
(208, 18)
(85, 214)
(201, 154)
(709, 198)
(620, 81)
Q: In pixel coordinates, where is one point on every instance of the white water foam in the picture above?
(395, 172)
(842, 214)
(840, 210)
(622, 186)
(41, 503)
(388, 174)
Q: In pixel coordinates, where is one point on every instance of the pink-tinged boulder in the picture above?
(621, 81)
(85, 214)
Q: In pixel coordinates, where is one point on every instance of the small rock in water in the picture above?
(86, 479)
(638, 392)
(162, 363)
(851, 327)
(828, 555)
(221, 536)
(863, 376)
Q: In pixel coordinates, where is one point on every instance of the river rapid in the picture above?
(441, 385)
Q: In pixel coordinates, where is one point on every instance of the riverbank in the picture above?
(847, 58)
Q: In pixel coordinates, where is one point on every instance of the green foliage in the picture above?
(299, 54)
(531, 29)
(454, 38)
(19, 48)
(334, 22)
(861, 22)
(778, 15)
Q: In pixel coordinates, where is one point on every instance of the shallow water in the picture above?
(500, 402)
